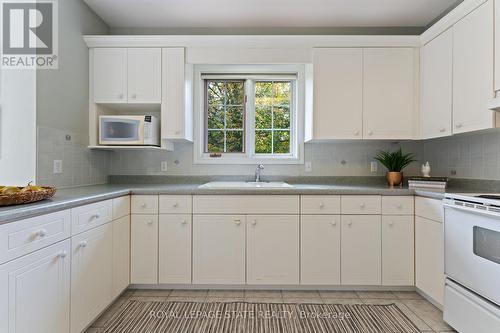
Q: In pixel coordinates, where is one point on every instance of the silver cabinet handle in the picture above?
(459, 125)
(62, 254)
(150, 222)
(254, 222)
(95, 217)
(120, 96)
(175, 205)
(333, 223)
(143, 205)
(40, 233)
(442, 130)
(237, 222)
(362, 205)
(321, 205)
(183, 222)
(349, 223)
(83, 244)
(370, 133)
(134, 96)
(356, 133)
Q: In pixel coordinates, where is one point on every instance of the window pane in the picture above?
(263, 93)
(281, 117)
(234, 117)
(263, 142)
(215, 142)
(281, 93)
(263, 116)
(215, 92)
(235, 93)
(234, 141)
(281, 142)
(215, 117)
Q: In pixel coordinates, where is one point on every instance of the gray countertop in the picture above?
(72, 197)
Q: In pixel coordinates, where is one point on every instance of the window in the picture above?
(248, 118)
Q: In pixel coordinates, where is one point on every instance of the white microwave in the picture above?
(129, 130)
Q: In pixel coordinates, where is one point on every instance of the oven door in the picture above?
(121, 131)
(472, 250)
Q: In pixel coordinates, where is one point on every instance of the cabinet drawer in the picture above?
(398, 205)
(320, 204)
(25, 236)
(121, 207)
(175, 204)
(246, 204)
(361, 204)
(144, 204)
(90, 216)
(429, 208)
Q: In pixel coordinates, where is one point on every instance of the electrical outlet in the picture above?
(373, 166)
(164, 166)
(309, 166)
(58, 167)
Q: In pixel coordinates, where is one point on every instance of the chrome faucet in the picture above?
(258, 171)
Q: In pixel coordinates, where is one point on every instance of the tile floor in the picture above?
(422, 313)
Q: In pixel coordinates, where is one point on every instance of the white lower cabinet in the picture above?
(429, 256)
(360, 250)
(174, 258)
(320, 249)
(219, 249)
(35, 292)
(121, 255)
(398, 250)
(144, 249)
(91, 275)
(273, 249)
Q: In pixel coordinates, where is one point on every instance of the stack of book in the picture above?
(428, 182)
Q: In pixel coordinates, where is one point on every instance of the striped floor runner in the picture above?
(240, 317)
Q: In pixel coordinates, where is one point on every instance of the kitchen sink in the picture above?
(244, 185)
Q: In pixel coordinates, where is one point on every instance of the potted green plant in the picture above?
(395, 162)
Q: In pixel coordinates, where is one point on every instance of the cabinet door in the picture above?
(91, 275)
(398, 250)
(429, 257)
(144, 75)
(219, 249)
(273, 249)
(437, 86)
(110, 75)
(175, 249)
(320, 249)
(176, 96)
(361, 250)
(35, 292)
(144, 249)
(473, 70)
(121, 255)
(338, 94)
(497, 45)
(388, 93)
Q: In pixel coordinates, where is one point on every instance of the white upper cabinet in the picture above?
(497, 45)
(144, 75)
(473, 70)
(123, 75)
(110, 75)
(177, 112)
(338, 94)
(388, 93)
(437, 86)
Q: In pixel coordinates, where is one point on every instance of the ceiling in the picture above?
(269, 13)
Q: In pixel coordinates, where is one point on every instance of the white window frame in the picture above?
(296, 73)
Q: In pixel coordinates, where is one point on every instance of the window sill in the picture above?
(243, 160)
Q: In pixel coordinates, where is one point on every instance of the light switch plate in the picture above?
(373, 166)
(164, 166)
(58, 167)
(308, 166)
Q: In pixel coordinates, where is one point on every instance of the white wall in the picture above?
(17, 126)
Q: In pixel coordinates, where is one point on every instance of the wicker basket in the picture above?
(26, 197)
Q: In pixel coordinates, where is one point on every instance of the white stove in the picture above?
(472, 262)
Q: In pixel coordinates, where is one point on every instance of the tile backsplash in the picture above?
(80, 166)
(474, 155)
(341, 158)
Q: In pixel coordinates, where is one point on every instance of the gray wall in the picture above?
(475, 156)
(62, 103)
(327, 159)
